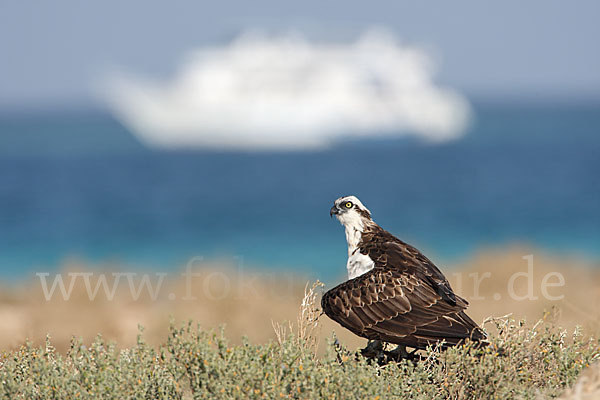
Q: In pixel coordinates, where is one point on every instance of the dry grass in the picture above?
(252, 304)
(306, 331)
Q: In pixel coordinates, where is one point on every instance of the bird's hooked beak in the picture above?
(334, 211)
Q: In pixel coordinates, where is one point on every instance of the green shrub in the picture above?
(520, 362)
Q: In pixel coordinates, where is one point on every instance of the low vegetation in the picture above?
(522, 361)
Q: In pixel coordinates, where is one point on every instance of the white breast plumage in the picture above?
(358, 264)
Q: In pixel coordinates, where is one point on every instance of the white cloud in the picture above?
(262, 92)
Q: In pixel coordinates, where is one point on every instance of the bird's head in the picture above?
(351, 212)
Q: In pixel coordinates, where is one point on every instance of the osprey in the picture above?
(394, 293)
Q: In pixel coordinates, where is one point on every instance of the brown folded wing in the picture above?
(401, 306)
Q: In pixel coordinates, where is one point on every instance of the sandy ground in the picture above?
(247, 303)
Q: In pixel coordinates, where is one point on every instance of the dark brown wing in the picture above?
(398, 306)
(389, 252)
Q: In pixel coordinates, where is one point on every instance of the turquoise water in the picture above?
(80, 185)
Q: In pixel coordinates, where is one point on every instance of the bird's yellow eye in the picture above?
(348, 204)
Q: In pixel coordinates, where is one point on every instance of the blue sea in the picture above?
(78, 185)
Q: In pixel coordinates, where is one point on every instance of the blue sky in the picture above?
(53, 52)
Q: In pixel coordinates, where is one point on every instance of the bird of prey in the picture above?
(394, 293)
